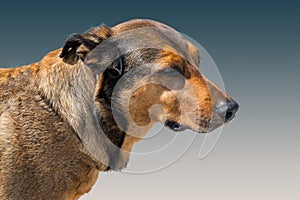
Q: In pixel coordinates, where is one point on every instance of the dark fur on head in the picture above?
(78, 46)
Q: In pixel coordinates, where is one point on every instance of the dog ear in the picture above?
(78, 46)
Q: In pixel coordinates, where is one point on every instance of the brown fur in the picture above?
(40, 157)
(46, 153)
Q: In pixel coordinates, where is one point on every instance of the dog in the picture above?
(57, 123)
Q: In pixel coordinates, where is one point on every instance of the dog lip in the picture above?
(175, 126)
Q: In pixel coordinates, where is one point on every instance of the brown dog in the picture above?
(51, 112)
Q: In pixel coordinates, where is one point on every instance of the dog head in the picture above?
(146, 73)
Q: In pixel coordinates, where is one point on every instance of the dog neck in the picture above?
(73, 98)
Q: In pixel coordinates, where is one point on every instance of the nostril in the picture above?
(232, 108)
(228, 115)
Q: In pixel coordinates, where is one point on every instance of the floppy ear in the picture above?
(78, 46)
(70, 53)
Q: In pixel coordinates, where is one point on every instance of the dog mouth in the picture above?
(175, 126)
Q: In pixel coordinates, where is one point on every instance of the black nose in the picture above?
(227, 109)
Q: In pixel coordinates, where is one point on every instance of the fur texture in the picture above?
(51, 112)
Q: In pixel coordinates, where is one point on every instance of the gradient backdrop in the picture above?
(256, 46)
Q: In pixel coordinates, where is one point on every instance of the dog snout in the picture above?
(227, 109)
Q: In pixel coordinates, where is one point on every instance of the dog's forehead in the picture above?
(133, 38)
(154, 38)
(154, 34)
(138, 23)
